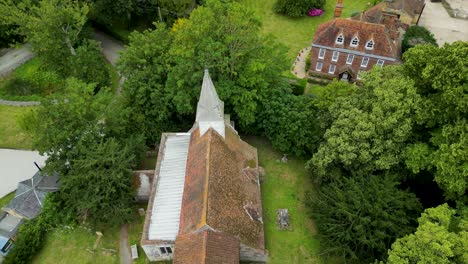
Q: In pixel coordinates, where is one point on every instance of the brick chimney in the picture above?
(338, 7)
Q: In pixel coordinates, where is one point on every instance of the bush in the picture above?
(297, 8)
(416, 35)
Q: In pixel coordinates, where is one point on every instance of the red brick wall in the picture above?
(356, 66)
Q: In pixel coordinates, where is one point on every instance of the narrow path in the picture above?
(299, 65)
(125, 255)
(19, 103)
(110, 46)
(14, 58)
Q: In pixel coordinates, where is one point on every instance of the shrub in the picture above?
(297, 8)
(416, 35)
(315, 12)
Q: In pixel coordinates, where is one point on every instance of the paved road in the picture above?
(110, 46)
(16, 166)
(445, 28)
(13, 59)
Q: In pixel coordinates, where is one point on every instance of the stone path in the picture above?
(299, 65)
(110, 46)
(19, 103)
(125, 255)
(14, 58)
(16, 166)
(445, 28)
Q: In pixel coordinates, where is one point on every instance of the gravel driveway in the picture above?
(13, 59)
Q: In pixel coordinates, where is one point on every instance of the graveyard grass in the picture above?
(284, 186)
(11, 135)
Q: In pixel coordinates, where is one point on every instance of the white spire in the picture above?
(210, 109)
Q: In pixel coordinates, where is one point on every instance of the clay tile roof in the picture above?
(327, 33)
(218, 187)
(206, 248)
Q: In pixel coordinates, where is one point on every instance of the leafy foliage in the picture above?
(442, 237)
(370, 128)
(297, 8)
(417, 35)
(358, 218)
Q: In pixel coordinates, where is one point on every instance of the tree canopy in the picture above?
(417, 35)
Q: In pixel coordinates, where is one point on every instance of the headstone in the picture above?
(98, 239)
(134, 251)
(141, 211)
(284, 159)
(283, 219)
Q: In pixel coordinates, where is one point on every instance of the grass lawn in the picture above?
(11, 136)
(297, 33)
(75, 245)
(284, 186)
(6, 199)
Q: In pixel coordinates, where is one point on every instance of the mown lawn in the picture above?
(297, 33)
(285, 186)
(11, 135)
(74, 246)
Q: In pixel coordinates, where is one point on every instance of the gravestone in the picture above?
(134, 251)
(283, 219)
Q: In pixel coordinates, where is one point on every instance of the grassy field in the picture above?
(297, 33)
(284, 186)
(6, 199)
(11, 135)
(74, 246)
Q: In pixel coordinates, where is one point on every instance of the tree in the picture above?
(441, 76)
(417, 35)
(98, 186)
(289, 122)
(370, 128)
(441, 237)
(297, 8)
(164, 80)
(359, 218)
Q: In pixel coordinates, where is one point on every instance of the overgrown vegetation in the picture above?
(417, 35)
(11, 134)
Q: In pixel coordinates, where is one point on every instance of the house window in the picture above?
(340, 39)
(364, 62)
(354, 42)
(331, 70)
(321, 54)
(335, 56)
(319, 66)
(7, 246)
(165, 250)
(370, 45)
(350, 59)
(169, 250)
(380, 62)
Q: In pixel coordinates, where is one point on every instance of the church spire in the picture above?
(210, 109)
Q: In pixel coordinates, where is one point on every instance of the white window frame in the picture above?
(352, 59)
(166, 250)
(317, 68)
(355, 39)
(332, 69)
(335, 56)
(371, 46)
(342, 39)
(321, 54)
(380, 62)
(364, 62)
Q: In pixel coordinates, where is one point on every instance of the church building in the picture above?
(205, 202)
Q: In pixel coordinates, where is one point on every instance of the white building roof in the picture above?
(165, 217)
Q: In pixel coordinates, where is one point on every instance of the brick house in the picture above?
(205, 201)
(343, 48)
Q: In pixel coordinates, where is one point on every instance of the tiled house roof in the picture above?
(31, 194)
(328, 32)
(375, 14)
(219, 188)
(206, 247)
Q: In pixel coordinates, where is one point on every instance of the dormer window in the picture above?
(340, 39)
(370, 44)
(354, 42)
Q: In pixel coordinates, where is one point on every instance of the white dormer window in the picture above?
(370, 44)
(321, 54)
(354, 42)
(340, 39)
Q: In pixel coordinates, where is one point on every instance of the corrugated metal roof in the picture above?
(164, 223)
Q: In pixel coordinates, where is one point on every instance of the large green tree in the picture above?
(442, 237)
(359, 218)
(370, 128)
(164, 80)
(441, 78)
